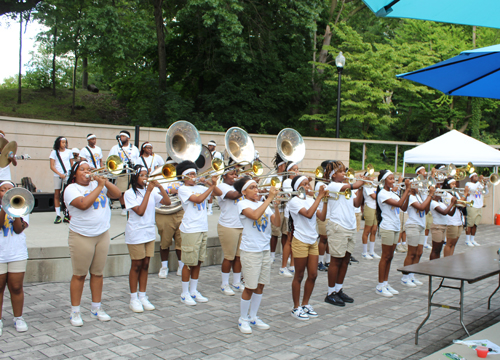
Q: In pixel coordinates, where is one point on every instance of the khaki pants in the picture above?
(256, 268)
(415, 235)
(438, 232)
(370, 216)
(194, 248)
(340, 240)
(141, 251)
(168, 229)
(88, 253)
(474, 216)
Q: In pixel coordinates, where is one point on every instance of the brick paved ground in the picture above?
(372, 328)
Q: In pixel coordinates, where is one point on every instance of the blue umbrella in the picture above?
(472, 73)
(466, 12)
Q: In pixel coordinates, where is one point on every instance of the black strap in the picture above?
(91, 156)
(61, 162)
(144, 162)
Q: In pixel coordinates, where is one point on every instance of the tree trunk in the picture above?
(85, 75)
(74, 85)
(20, 57)
(162, 53)
(54, 62)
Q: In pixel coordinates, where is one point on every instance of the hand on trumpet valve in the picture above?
(432, 190)
(152, 185)
(407, 183)
(322, 192)
(453, 200)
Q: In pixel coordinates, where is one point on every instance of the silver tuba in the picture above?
(290, 145)
(18, 202)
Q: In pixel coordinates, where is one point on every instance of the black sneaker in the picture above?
(66, 219)
(353, 259)
(327, 265)
(345, 297)
(334, 299)
(58, 220)
(322, 267)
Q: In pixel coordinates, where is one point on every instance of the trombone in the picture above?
(351, 176)
(274, 181)
(287, 195)
(166, 171)
(336, 194)
(18, 202)
(114, 168)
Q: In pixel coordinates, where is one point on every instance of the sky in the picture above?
(9, 43)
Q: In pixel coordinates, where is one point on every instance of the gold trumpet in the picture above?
(336, 194)
(351, 176)
(318, 172)
(463, 203)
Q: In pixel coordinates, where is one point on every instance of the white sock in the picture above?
(142, 295)
(467, 238)
(75, 308)
(327, 258)
(181, 264)
(411, 276)
(133, 296)
(405, 278)
(244, 306)
(365, 248)
(254, 305)
(404, 242)
(380, 285)
(210, 207)
(58, 211)
(426, 237)
(225, 278)
(185, 287)
(273, 256)
(291, 268)
(321, 258)
(164, 264)
(96, 306)
(330, 290)
(472, 238)
(192, 286)
(372, 247)
(385, 283)
(338, 287)
(236, 278)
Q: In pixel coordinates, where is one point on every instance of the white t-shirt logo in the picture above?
(201, 206)
(102, 199)
(262, 223)
(7, 226)
(477, 194)
(238, 200)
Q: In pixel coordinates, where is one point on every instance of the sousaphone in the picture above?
(290, 145)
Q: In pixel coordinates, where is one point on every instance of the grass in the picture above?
(40, 104)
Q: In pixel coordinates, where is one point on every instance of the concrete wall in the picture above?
(36, 138)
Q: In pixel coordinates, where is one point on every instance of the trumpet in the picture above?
(318, 172)
(351, 177)
(493, 179)
(463, 203)
(216, 169)
(18, 202)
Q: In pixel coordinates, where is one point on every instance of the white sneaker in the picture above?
(309, 310)
(226, 290)
(238, 287)
(259, 323)
(124, 212)
(468, 243)
(375, 256)
(417, 282)
(210, 212)
(392, 290)
(20, 325)
(1, 327)
(284, 271)
(299, 314)
(427, 246)
(244, 326)
(136, 306)
(187, 299)
(146, 304)
(76, 319)
(475, 243)
(381, 290)
(163, 273)
(292, 270)
(100, 315)
(179, 271)
(198, 297)
(408, 283)
(367, 256)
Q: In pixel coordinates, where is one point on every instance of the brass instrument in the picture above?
(287, 195)
(493, 179)
(18, 202)
(336, 194)
(240, 148)
(442, 175)
(351, 177)
(204, 161)
(318, 172)
(114, 168)
(469, 168)
(274, 181)
(290, 145)
(463, 203)
(166, 171)
(460, 174)
(183, 141)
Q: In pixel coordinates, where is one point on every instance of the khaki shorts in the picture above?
(230, 240)
(141, 251)
(88, 254)
(389, 237)
(321, 227)
(453, 232)
(474, 216)
(13, 267)
(256, 268)
(438, 233)
(194, 248)
(340, 240)
(122, 183)
(402, 220)
(428, 221)
(370, 216)
(415, 235)
(168, 229)
(282, 229)
(58, 182)
(358, 221)
(302, 250)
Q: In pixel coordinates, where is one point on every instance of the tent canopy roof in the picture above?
(455, 148)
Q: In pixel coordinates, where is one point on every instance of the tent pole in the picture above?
(404, 167)
(495, 169)
(363, 156)
(396, 160)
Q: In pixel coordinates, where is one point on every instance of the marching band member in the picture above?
(440, 218)
(420, 170)
(324, 256)
(92, 153)
(388, 207)
(140, 233)
(340, 228)
(455, 223)
(148, 158)
(61, 160)
(474, 212)
(303, 214)
(194, 229)
(370, 213)
(87, 199)
(254, 250)
(415, 230)
(229, 229)
(13, 260)
(276, 231)
(215, 155)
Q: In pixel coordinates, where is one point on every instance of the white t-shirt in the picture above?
(437, 218)
(96, 152)
(390, 214)
(217, 155)
(195, 215)
(141, 229)
(456, 219)
(316, 188)
(229, 216)
(256, 236)
(357, 210)
(12, 245)
(369, 201)
(151, 161)
(341, 211)
(304, 228)
(287, 186)
(96, 219)
(66, 156)
(131, 150)
(415, 217)
(5, 173)
(475, 193)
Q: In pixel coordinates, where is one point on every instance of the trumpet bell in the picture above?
(290, 145)
(494, 179)
(239, 145)
(257, 168)
(18, 202)
(274, 181)
(183, 141)
(370, 169)
(9, 149)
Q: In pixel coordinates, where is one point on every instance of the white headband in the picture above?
(188, 171)
(471, 175)
(2, 135)
(146, 144)
(7, 182)
(247, 184)
(281, 163)
(170, 162)
(333, 173)
(125, 134)
(299, 181)
(418, 169)
(91, 136)
(61, 139)
(141, 168)
(389, 172)
(212, 143)
(83, 162)
(290, 166)
(75, 150)
(451, 181)
(442, 167)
